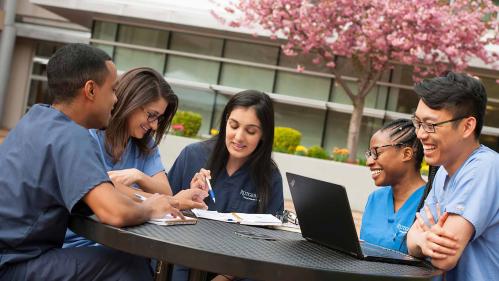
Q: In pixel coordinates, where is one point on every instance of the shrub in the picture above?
(317, 152)
(301, 150)
(190, 120)
(340, 154)
(286, 139)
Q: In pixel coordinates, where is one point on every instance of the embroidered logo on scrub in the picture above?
(402, 228)
(248, 195)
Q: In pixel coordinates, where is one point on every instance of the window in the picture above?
(126, 58)
(105, 31)
(249, 77)
(402, 99)
(302, 85)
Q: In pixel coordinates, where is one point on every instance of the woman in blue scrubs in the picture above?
(129, 145)
(238, 161)
(394, 158)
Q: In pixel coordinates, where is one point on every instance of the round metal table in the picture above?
(219, 247)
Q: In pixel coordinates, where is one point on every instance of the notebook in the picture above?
(335, 229)
(241, 218)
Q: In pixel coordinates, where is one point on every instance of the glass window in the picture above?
(38, 93)
(402, 100)
(248, 77)
(302, 85)
(197, 101)
(490, 141)
(308, 121)
(190, 68)
(105, 31)
(126, 58)
(337, 131)
(377, 95)
(492, 109)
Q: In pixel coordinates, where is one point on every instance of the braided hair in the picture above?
(402, 131)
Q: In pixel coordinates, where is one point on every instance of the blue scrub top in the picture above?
(131, 158)
(384, 227)
(48, 163)
(472, 193)
(236, 193)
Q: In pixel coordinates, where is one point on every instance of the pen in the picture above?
(142, 198)
(210, 190)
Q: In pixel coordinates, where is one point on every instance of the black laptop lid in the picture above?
(324, 213)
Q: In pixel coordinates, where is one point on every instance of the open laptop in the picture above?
(325, 218)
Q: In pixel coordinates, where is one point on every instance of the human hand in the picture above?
(199, 179)
(435, 241)
(126, 176)
(160, 205)
(191, 199)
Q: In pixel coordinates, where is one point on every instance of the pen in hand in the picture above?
(210, 190)
(141, 198)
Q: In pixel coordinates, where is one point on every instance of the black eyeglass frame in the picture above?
(430, 127)
(151, 117)
(373, 151)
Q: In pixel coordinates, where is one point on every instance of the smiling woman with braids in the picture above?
(394, 158)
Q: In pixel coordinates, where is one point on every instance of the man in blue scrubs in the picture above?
(51, 166)
(459, 227)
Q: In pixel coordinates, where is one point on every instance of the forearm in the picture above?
(130, 191)
(156, 184)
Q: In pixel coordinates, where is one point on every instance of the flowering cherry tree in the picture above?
(431, 35)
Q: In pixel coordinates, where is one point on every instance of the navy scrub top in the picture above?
(48, 163)
(236, 193)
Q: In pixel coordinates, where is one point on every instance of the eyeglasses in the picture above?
(153, 116)
(287, 217)
(373, 151)
(430, 127)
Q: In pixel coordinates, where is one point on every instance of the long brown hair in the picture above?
(136, 88)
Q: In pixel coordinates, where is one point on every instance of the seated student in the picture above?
(394, 158)
(463, 239)
(129, 145)
(51, 167)
(243, 175)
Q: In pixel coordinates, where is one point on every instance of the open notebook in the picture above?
(241, 218)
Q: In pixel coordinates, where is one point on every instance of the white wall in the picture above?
(356, 179)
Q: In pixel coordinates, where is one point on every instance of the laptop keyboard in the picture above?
(378, 251)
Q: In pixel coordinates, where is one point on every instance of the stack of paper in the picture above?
(242, 218)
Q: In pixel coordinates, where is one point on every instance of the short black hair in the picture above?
(459, 93)
(72, 66)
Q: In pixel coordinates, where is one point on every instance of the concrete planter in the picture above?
(356, 179)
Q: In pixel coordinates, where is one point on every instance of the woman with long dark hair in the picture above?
(394, 158)
(238, 160)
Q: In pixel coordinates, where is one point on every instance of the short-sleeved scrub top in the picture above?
(472, 192)
(48, 163)
(131, 158)
(382, 226)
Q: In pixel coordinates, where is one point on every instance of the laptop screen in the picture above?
(324, 213)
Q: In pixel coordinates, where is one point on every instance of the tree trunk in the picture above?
(354, 127)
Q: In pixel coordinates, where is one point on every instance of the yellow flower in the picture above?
(214, 132)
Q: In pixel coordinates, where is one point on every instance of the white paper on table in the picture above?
(242, 218)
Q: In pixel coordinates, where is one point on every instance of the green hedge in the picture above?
(317, 152)
(286, 139)
(190, 120)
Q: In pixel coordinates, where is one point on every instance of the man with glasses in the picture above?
(458, 228)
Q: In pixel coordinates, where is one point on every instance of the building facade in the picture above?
(206, 62)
